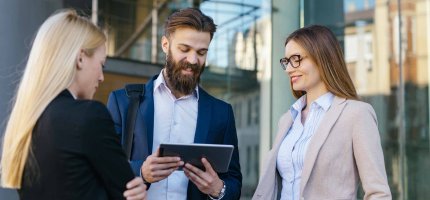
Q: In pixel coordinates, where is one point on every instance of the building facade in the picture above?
(386, 46)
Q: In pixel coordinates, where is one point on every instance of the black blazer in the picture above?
(77, 154)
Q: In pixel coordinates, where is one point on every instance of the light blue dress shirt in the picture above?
(292, 151)
(175, 121)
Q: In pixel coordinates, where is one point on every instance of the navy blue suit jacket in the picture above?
(215, 125)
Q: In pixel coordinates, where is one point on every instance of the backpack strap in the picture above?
(134, 92)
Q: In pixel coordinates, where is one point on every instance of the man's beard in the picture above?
(184, 84)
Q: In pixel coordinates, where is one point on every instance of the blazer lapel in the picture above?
(319, 138)
(269, 184)
(203, 117)
(284, 126)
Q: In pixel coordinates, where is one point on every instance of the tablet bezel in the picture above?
(219, 155)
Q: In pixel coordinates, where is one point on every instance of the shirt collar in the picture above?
(71, 93)
(298, 106)
(324, 101)
(161, 82)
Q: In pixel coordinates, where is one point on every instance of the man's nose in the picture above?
(192, 58)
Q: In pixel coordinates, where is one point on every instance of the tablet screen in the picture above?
(218, 155)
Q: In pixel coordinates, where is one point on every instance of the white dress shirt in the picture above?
(292, 151)
(175, 121)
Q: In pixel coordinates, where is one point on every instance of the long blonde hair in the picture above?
(50, 69)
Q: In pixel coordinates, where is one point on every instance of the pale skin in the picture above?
(89, 75)
(191, 45)
(306, 77)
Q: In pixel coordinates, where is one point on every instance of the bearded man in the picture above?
(176, 110)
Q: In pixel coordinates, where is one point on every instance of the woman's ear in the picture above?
(79, 59)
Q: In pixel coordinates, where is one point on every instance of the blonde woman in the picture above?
(328, 141)
(59, 144)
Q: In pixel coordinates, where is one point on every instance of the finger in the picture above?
(169, 159)
(196, 170)
(132, 193)
(191, 167)
(135, 190)
(157, 167)
(157, 152)
(135, 182)
(139, 196)
(151, 158)
(154, 172)
(208, 166)
(160, 175)
(205, 176)
(163, 173)
(199, 182)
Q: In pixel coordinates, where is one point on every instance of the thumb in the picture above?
(157, 152)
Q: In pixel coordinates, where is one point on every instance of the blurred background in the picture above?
(386, 46)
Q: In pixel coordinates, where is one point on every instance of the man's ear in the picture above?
(165, 44)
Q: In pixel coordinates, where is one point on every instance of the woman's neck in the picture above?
(311, 96)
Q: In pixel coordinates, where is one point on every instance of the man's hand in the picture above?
(136, 190)
(157, 168)
(207, 181)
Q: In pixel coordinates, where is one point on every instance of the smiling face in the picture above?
(306, 77)
(89, 73)
(186, 52)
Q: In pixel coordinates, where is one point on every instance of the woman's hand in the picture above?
(136, 189)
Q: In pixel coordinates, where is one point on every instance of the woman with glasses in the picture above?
(328, 141)
(59, 144)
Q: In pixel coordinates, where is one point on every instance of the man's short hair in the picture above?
(189, 18)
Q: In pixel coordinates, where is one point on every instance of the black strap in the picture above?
(134, 92)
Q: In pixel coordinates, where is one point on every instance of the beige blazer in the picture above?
(345, 149)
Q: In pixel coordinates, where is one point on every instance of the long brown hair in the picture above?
(324, 49)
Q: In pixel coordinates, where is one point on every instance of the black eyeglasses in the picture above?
(294, 60)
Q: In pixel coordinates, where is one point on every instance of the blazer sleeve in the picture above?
(118, 106)
(368, 154)
(103, 150)
(232, 180)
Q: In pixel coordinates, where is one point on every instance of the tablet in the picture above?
(218, 155)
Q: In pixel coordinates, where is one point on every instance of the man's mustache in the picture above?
(187, 65)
